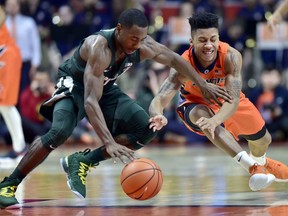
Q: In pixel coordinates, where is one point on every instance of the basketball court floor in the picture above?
(198, 180)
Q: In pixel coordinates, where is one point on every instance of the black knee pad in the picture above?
(135, 128)
(139, 141)
(62, 127)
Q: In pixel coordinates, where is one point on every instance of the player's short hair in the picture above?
(133, 16)
(203, 20)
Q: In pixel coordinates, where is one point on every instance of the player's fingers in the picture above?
(222, 93)
(130, 155)
(152, 125)
(201, 123)
(121, 157)
(154, 129)
(213, 135)
(199, 120)
(113, 158)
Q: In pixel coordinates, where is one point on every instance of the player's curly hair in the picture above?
(133, 16)
(203, 20)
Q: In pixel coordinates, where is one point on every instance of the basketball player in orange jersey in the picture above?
(10, 73)
(219, 63)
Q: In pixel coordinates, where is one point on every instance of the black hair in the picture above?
(133, 16)
(270, 67)
(203, 20)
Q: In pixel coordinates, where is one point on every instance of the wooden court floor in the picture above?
(198, 180)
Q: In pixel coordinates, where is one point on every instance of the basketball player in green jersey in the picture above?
(86, 86)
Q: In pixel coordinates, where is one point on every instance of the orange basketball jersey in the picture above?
(10, 68)
(245, 121)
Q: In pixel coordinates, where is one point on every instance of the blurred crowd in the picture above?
(47, 31)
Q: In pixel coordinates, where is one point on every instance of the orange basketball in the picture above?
(141, 179)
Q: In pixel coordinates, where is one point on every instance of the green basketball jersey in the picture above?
(75, 66)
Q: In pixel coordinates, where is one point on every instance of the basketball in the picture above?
(141, 179)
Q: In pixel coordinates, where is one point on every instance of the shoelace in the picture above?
(83, 171)
(253, 168)
(8, 191)
(272, 164)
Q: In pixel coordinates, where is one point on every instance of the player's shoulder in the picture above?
(232, 56)
(95, 41)
(227, 51)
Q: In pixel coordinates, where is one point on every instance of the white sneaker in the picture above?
(260, 178)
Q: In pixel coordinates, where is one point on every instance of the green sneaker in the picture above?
(77, 166)
(7, 192)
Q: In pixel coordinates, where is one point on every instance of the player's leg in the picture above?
(13, 122)
(64, 121)
(128, 124)
(258, 150)
(224, 140)
(248, 123)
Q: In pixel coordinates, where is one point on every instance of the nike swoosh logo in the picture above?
(240, 158)
(52, 147)
(139, 143)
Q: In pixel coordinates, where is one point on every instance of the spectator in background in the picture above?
(66, 32)
(10, 72)
(92, 15)
(31, 98)
(84, 133)
(25, 32)
(186, 8)
(41, 12)
(250, 14)
(234, 34)
(150, 84)
(279, 14)
(115, 8)
(271, 99)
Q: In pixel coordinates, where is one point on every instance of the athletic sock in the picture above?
(244, 160)
(261, 160)
(17, 174)
(96, 155)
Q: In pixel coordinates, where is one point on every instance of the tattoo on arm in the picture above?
(236, 82)
(170, 85)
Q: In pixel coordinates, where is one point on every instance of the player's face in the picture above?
(206, 42)
(131, 39)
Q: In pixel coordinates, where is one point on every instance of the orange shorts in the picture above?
(246, 121)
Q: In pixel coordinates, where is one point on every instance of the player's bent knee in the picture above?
(144, 139)
(60, 130)
(199, 111)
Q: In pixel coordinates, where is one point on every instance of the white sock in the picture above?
(13, 122)
(261, 160)
(244, 160)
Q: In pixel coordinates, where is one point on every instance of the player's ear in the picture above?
(119, 26)
(190, 41)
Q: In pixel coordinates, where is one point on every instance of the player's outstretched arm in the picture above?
(160, 53)
(167, 91)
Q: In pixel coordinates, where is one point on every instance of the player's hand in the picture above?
(207, 124)
(116, 150)
(212, 93)
(157, 122)
(273, 21)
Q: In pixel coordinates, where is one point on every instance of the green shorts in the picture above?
(117, 107)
